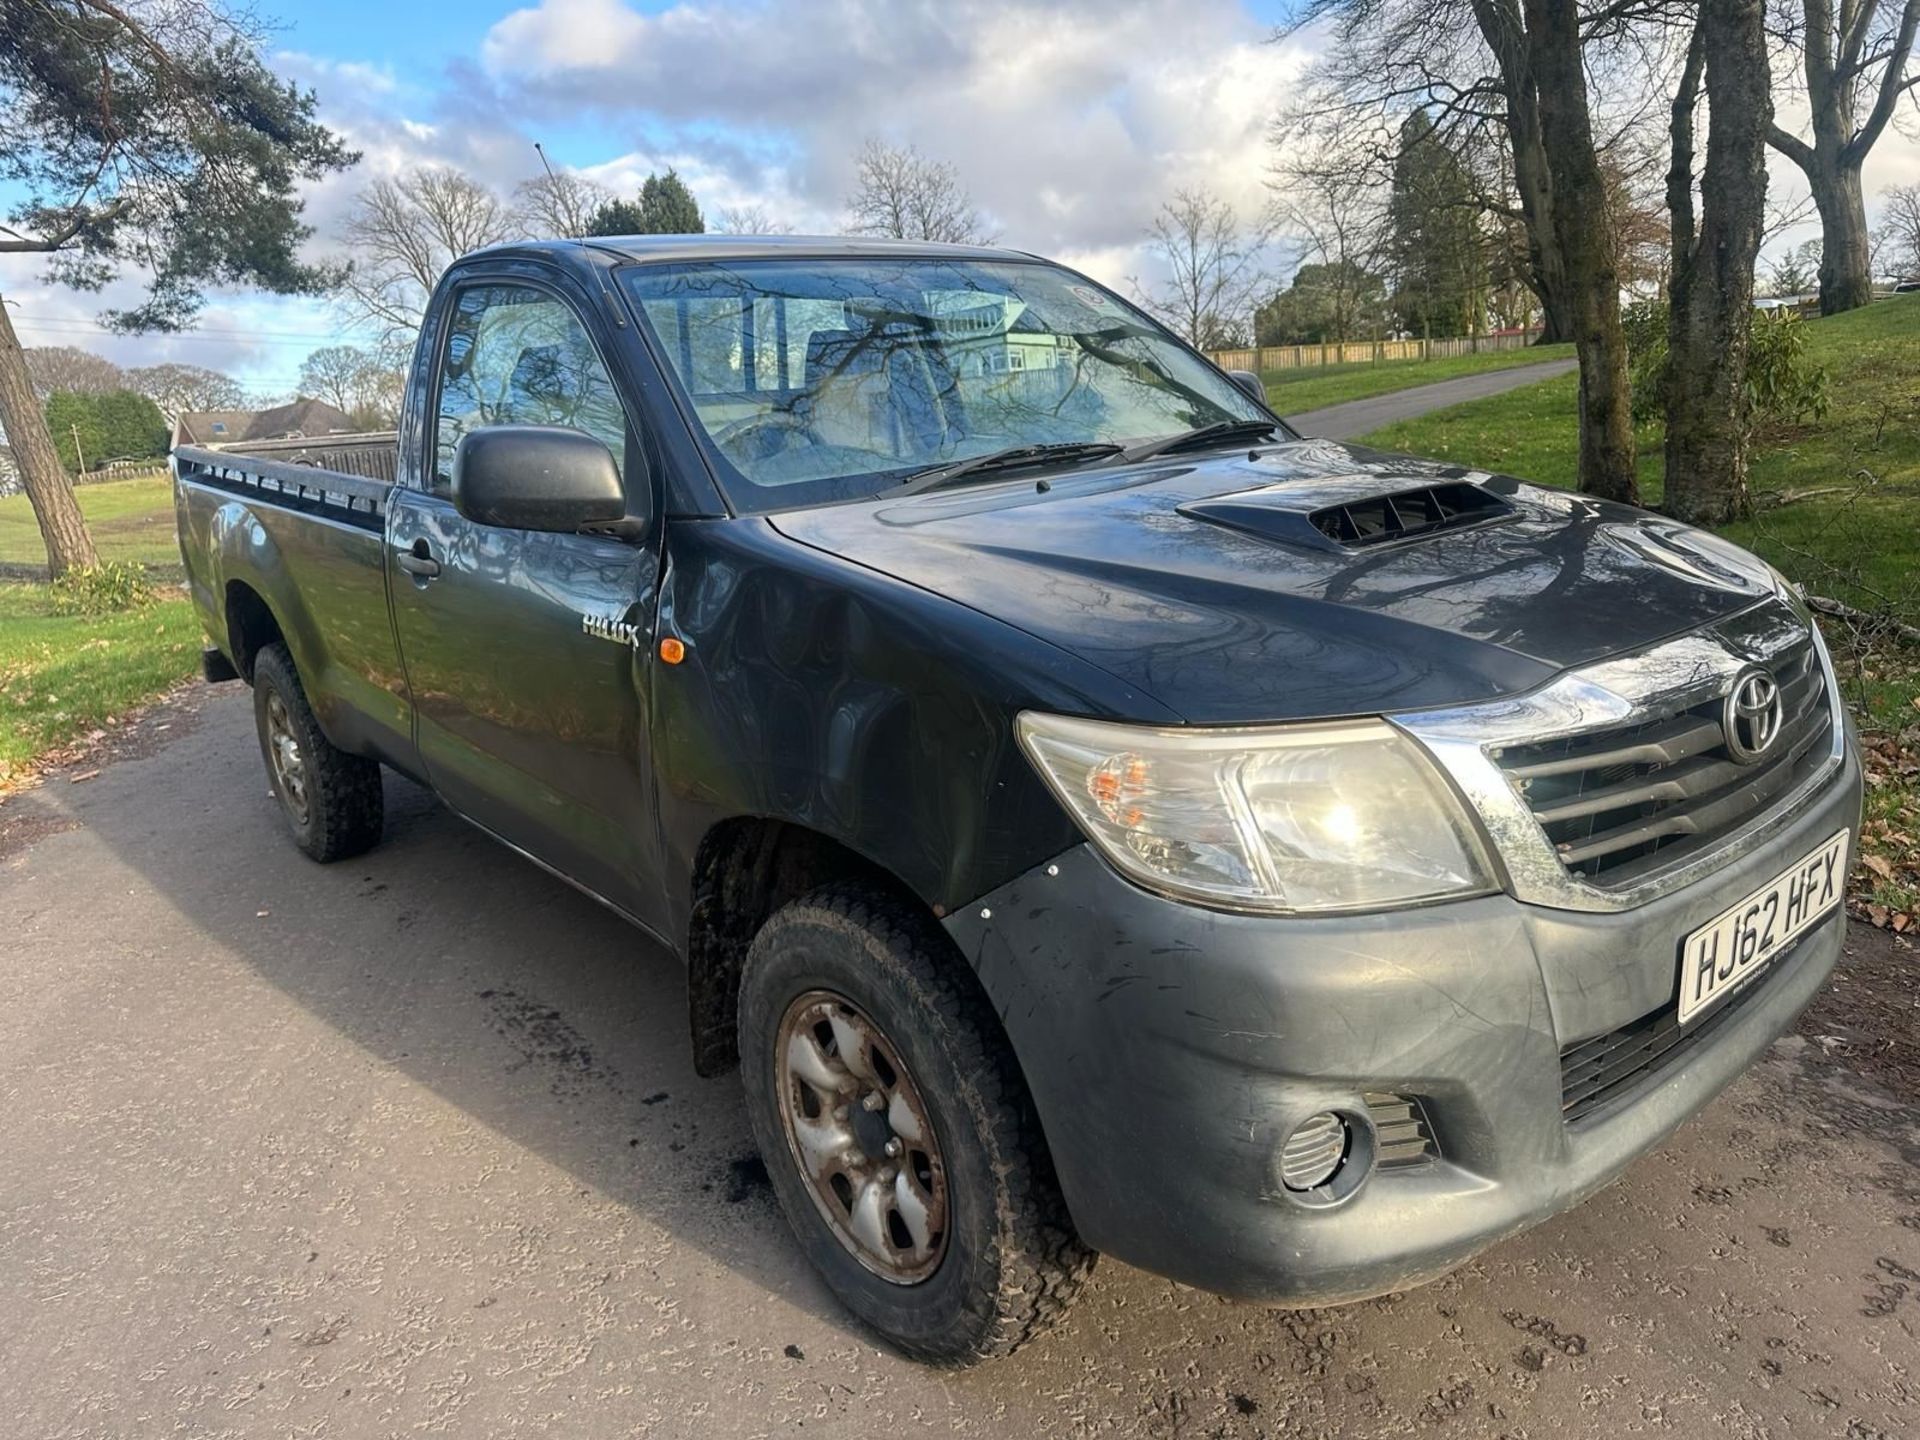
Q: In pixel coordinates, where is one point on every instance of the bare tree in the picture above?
(557, 206)
(405, 232)
(1334, 211)
(359, 381)
(1900, 231)
(63, 367)
(901, 193)
(1854, 66)
(1710, 322)
(1214, 269)
(176, 387)
(749, 220)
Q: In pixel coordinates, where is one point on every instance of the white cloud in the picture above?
(1069, 123)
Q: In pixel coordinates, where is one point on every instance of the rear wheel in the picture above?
(331, 800)
(898, 1131)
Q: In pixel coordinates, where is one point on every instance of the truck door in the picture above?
(527, 653)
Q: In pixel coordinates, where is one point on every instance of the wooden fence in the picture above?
(1267, 358)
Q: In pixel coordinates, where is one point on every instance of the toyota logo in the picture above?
(1753, 717)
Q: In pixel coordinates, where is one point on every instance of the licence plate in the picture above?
(1737, 944)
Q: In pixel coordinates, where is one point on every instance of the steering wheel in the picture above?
(769, 432)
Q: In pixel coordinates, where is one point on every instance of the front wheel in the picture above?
(331, 800)
(898, 1131)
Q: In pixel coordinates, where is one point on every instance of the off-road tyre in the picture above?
(343, 811)
(1012, 1262)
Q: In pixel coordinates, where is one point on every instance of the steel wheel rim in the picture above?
(858, 1132)
(289, 765)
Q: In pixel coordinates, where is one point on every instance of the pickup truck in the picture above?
(1094, 817)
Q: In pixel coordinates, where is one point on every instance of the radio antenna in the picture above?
(613, 307)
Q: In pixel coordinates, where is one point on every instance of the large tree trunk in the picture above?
(62, 527)
(1544, 265)
(1711, 321)
(1583, 237)
(1846, 261)
(1504, 30)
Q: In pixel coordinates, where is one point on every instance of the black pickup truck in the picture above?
(1094, 817)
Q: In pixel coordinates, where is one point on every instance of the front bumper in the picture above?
(1171, 1050)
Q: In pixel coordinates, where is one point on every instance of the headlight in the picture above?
(1341, 816)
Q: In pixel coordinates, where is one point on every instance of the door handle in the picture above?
(417, 562)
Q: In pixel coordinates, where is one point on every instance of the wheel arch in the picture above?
(251, 626)
(747, 867)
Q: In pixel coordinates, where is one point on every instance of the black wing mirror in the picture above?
(1250, 382)
(536, 477)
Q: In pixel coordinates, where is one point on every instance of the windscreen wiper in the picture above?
(1011, 458)
(1202, 435)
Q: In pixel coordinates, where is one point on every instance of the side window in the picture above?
(519, 356)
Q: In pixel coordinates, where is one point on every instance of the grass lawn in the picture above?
(64, 676)
(1294, 392)
(1860, 545)
(130, 520)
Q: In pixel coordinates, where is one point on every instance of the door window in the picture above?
(516, 355)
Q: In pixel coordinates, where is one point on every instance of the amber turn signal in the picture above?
(672, 651)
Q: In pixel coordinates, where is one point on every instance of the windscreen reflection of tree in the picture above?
(885, 365)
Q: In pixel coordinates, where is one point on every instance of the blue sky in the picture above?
(1069, 121)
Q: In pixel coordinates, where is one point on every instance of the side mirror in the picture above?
(1250, 382)
(536, 477)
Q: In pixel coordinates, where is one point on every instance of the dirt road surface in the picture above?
(411, 1145)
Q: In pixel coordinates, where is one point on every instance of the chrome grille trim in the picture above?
(1652, 688)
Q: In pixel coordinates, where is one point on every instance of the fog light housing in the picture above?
(1314, 1152)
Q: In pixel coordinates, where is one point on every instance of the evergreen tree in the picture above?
(153, 137)
(1435, 247)
(665, 207)
(113, 425)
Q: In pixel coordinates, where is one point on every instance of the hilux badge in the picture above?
(606, 627)
(1752, 717)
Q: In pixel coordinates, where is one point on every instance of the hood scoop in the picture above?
(1352, 512)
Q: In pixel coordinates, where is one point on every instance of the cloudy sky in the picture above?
(1069, 121)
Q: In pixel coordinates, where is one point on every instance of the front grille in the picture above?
(1595, 1071)
(1400, 1131)
(1620, 802)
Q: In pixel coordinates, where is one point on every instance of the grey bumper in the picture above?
(1171, 1050)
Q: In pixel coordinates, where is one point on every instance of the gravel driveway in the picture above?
(413, 1145)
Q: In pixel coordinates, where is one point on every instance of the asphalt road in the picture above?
(1357, 417)
(412, 1144)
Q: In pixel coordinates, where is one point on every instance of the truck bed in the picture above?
(292, 485)
(279, 550)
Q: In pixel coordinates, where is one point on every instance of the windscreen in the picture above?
(834, 378)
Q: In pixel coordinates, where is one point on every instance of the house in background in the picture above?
(9, 471)
(304, 418)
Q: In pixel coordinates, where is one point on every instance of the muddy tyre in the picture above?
(331, 800)
(898, 1131)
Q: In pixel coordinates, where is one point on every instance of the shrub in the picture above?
(1784, 382)
(104, 589)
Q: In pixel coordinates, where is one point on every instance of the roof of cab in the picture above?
(649, 249)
